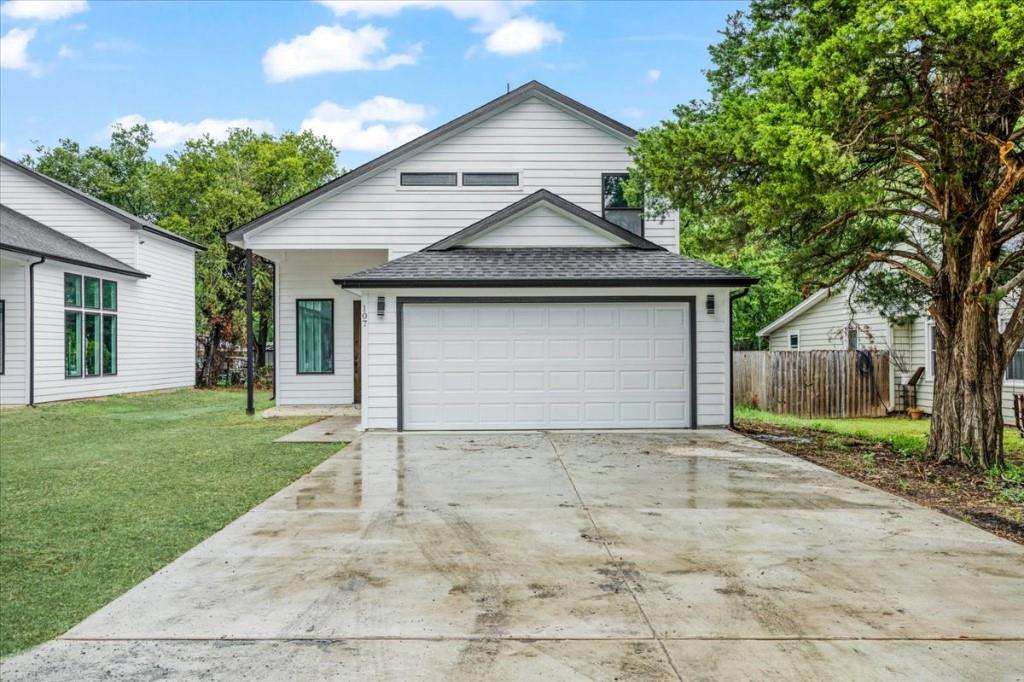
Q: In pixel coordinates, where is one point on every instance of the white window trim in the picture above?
(789, 334)
(1006, 375)
(458, 186)
(929, 366)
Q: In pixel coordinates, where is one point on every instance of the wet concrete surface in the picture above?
(334, 429)
(601, 556)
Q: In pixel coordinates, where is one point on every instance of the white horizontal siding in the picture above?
(156, 326)
(14, 294)
(302, 275)
(549, 148)
(380, 355)
(823, 326)
(540, 227)
(65, 213)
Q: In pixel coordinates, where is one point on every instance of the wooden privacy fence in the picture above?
(817, 383)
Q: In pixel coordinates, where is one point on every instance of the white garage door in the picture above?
(545, 365)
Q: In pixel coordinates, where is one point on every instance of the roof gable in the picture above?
(533, 89)
(132, 221)
(608, 233)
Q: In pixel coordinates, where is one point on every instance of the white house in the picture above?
(93, 301)
(835, 319)
(490, 275)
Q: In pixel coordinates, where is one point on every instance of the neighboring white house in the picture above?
(489, 275)
(834, 319)
(114, 296)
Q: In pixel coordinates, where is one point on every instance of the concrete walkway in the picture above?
(566, 556)
(339, 429)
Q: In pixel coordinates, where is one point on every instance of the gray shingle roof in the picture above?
(109, 209)
(22, 234)
(544, 267)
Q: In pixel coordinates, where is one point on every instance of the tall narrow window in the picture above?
(92, 293)
(615, 208)
(90, 338)
(93, 339)
(72, 344)
(930, 355)
(315, 318)
(110, 344)
(852, 337)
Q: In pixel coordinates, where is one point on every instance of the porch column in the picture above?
(250, 377)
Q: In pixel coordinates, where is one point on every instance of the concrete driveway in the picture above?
(558, 556)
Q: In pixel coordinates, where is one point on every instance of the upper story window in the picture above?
(614, 206)
(490, 179)
(429, 179)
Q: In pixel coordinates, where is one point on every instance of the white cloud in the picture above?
(488, 14)
(519, 36)
(66, 52)
(364, 127)
(14, 50)
(653, 75)
(42, 10)
(334, 48)
(173, 133)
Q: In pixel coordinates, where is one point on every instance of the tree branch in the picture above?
(880, 257)
(926, 179)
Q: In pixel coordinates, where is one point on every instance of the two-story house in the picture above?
(93, 300)
(490, 275)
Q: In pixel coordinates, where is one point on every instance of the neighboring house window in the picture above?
(429, 179)
(852, 342)
(90, 326)
(490, 179)
(3, 335)
(615, 208)
(794, 340)
(315, 319)
(929, 349)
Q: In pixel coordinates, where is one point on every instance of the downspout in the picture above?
(32, 331)
(273, 328)
(733, 296)
(250, 374)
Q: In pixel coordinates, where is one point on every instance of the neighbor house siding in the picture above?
(14, 293)
(380, 346)
(549, 148)
(310, 275)
(64, 213)
(156, 326)
(823, 326)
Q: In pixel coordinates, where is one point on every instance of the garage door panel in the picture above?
(550, 365)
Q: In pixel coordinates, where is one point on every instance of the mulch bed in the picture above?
(950, 488)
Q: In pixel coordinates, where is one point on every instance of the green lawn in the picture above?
(903, 433)
(97, 495)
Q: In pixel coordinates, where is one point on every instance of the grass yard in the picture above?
(910, 437)
(97, 495)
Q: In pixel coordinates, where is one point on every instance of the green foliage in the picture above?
(202, 192)
(897, 298)
(99, 494)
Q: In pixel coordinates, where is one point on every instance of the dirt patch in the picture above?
(955, 490)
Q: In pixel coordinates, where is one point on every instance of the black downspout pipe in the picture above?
(250, 374)
(32, 331)
(273, 328)
(733, 297)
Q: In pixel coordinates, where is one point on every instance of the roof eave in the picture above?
(795, 312)
(561, 282)
(72, 261)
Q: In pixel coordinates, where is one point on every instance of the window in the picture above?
(929, 350)
(429, 179)
(490, 179)
(1015, 372)
(615, 208)
(852, 341)
(794, 340)
(90, 337)
(3, 335)
(315, 319)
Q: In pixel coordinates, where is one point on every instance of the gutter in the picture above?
(32, 331)
(368, 283)
(733, 296)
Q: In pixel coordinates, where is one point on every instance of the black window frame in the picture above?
(604, 210)
(490, 174)
(298, 345)
(403, 174)
(101, 313)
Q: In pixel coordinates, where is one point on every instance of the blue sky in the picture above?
(370, 75)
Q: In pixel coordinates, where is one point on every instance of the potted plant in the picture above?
(915, 413)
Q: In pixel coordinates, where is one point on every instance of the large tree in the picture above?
(203, 191)
(875, 133)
